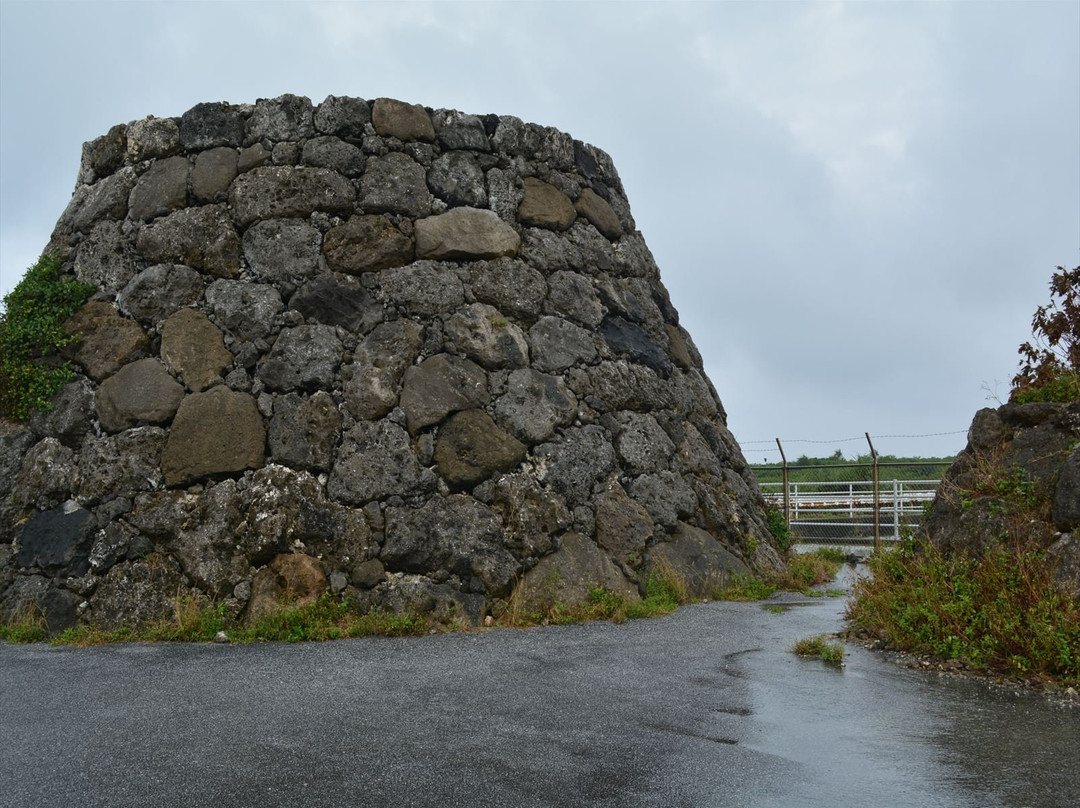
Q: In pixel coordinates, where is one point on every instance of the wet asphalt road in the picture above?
(704, 708)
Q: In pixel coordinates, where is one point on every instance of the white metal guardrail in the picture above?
(843, 512)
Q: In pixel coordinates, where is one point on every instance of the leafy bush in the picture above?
(996, 611)
(31, 331)
(1050, 364)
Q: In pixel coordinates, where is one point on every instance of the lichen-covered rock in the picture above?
(465, 233)
(216, 432)
(441, 385)
(160, 290)
(457, 179)
(291, 579)
(457, 534)
(470, 448)
(367, 244)
(211, 124)
(279, 250)
(104, 341)
(106, 258)
(72, 414)
(246, 310)
(456, 130)
(152, 137)
(573, 465)
(513, 287)
(121, 465)
(287, 117)
(666, 496)
(556, 344)
(395, 183)
(305, 357)
(373, 384)
(139, 593)
(34, 595)
(335, 154)
(203, 238)
(623, 527)
(48, 475)
(534, 405)
(304, 431)
(376, 461)
(288, 192)
(142, 392)
(342, 116)
(484, 335)
(404, 121)
(422, 289)
(337, 300)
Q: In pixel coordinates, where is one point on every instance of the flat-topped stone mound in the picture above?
(415, 357)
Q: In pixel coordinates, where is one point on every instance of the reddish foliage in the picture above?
(1055, 349)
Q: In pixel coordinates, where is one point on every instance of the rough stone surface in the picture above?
(1066, 506)
(544, 205)
(424, 352)
(567, 576)
(465, 233)
(441, 385)
(483, 334)
(404, 121)
(213, 173)
(121, 465)
(366, 244)
(457, 534)
(395, 183)
(375, 461)
(105, 341)
(288, 192)
(106, 259)
(339, 301)
(203, 238)
(304, 431)
(704, 563)
(141, 392)
(193, 347)
(246, 310)
(158, 291)
(556, 344)
(216, 432)
(457, 179)
(470, 448)
(373, 386)
(291, 579)
(305, 357)
(534, 405)
(279, 250)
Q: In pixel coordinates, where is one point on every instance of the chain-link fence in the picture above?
(851, 503)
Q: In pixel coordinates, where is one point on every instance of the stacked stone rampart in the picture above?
(414, 357)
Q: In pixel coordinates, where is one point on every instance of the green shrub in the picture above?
(778, 526)
(1050, 364)
(998, 610)
(31, 331)
(832, 653)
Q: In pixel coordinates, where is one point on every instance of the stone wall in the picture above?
(413, 356)
(1017, 481)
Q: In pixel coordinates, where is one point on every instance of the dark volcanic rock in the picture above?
(339, 301)
(216, 432)
(142, 392)
(57, 540)
(470, 448)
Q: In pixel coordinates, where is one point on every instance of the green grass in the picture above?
(326, 619)
(804, 570)
(832, 653)
(999, 611)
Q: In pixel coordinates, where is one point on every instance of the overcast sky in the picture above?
(856, 207)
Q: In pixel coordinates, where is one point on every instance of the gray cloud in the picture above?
(856, 207)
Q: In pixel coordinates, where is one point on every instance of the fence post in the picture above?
(897, 506)
(787, 481)
(877, 498)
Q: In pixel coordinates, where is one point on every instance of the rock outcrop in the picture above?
(414, 357)
(1017, 481)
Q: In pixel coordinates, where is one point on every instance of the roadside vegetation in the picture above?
(327, 618)
(831, 653)
(995, 609)
(31, 333)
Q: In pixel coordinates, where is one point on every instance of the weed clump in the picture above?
(804, 570)
(998, 610)
(831, 653)
(31, 331)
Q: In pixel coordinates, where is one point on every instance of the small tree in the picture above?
(1050, 364)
